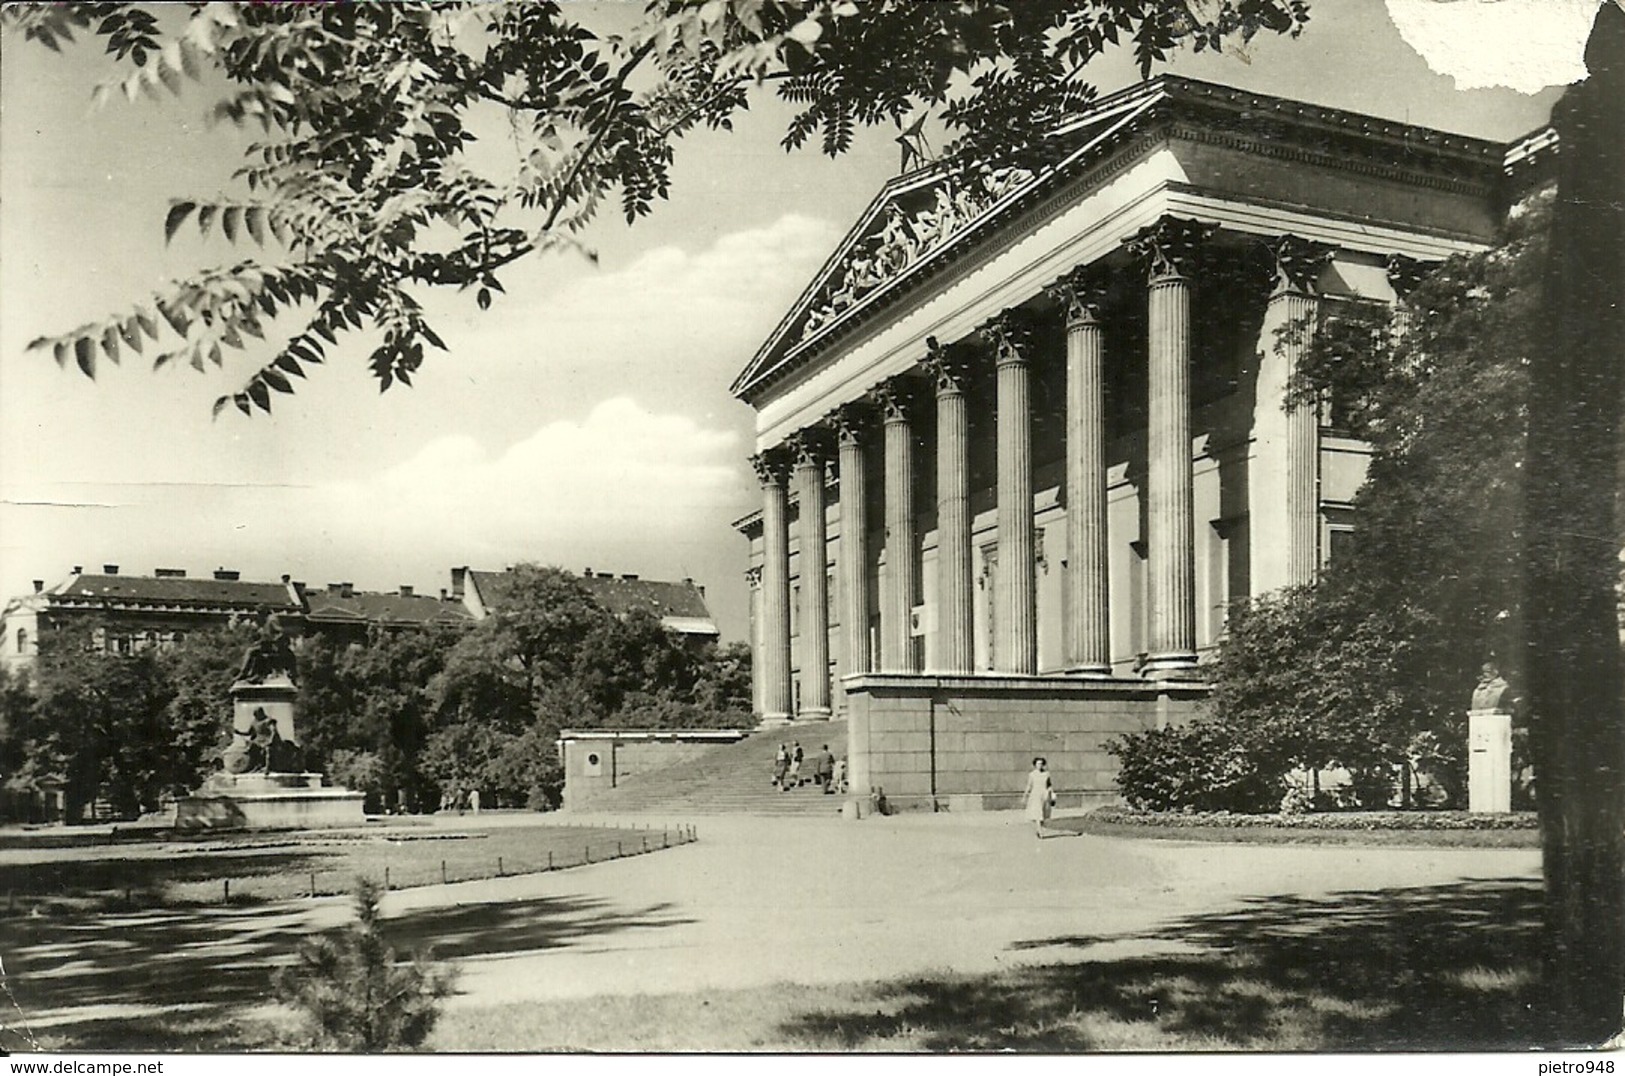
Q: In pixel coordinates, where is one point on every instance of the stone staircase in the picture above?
(733, 778)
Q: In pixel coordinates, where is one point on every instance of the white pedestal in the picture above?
(1489, 761)
(268, 801)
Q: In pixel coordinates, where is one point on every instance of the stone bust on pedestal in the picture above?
(1489, 743)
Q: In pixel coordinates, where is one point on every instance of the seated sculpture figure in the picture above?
(268, 655)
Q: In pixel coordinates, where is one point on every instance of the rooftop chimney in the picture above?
(630, 577)
(335, 588)
(78, 569)
(586, 573)
(406, 591)
(226, 575)
(109, 569)
(442, 593)
(169, 573)
(39, 585)
(347, 589)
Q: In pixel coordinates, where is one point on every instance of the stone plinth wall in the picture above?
(967, 742)
(597, 761)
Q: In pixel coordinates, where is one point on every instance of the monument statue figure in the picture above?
(268, 655)
(1492, 694)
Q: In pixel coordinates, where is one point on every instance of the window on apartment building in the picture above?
(22, 640)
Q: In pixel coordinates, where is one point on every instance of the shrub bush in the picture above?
(353, 991)
(1199, 767)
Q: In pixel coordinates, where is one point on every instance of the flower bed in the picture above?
(1447, 828)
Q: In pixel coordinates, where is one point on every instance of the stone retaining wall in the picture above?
(967, 742)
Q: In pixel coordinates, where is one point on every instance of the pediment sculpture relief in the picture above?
(904, 238)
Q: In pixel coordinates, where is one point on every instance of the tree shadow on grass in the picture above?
(1449, 967)
(183, 979)
(106, 881)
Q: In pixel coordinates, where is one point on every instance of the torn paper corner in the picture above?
(1524, 45)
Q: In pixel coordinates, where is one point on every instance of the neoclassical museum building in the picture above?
(1022, 443)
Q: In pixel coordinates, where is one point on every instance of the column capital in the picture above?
(1081, 295)
(771, 466)
(1405, 273)
(1008, 335)
(1297, 264)
(947, 366)
(809, 447)
(895, 399)
(1170, 247)
(851, 423)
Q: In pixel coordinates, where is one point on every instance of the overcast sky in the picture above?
(583, 421)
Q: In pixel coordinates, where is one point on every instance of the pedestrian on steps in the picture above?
(781, 763)
(793, 778)
(825, 770)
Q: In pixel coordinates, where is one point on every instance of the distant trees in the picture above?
(550, 657)
(404, 716)
(124, 730)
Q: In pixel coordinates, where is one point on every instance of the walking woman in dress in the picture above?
(1039, 796)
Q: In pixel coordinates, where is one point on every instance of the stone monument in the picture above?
(260, 781)
(1489, 744)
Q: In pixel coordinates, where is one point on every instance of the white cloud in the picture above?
(1525, 45)
(618, 479)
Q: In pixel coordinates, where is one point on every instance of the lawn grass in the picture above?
(157, 873)
(1452, 967)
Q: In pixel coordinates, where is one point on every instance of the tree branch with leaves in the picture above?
(363, 193)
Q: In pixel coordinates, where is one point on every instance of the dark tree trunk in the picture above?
(1577, 732)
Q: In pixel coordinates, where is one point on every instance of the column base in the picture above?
(1175, 665)
(1090, 672)
(813, 715)
(774, 720)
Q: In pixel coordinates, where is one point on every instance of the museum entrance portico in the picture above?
(1037, 427)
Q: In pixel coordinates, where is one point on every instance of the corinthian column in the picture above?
(852, 429)
(775, 652)
(955, 651)
(1170, 246)
(1015, 650)
(1297, 264)
(1087, 634)
(811, 453)
(897, 600)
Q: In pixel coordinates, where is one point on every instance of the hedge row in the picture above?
(1331, 820)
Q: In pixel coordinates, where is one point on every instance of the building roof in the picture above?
(679, 605)
(920, 225)
(179, 592)
(386, 610)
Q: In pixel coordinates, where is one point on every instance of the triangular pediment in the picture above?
(915, 223)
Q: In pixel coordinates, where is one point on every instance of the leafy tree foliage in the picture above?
(364, 191)
(373, 706)
(1371, 668)
(549, 657)
(125, 730)
(356, 995)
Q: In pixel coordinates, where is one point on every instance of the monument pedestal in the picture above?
(1489, 761)
(262, 784)
(268, 801)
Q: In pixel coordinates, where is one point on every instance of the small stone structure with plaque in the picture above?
(1489, 744)
(261, 782)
